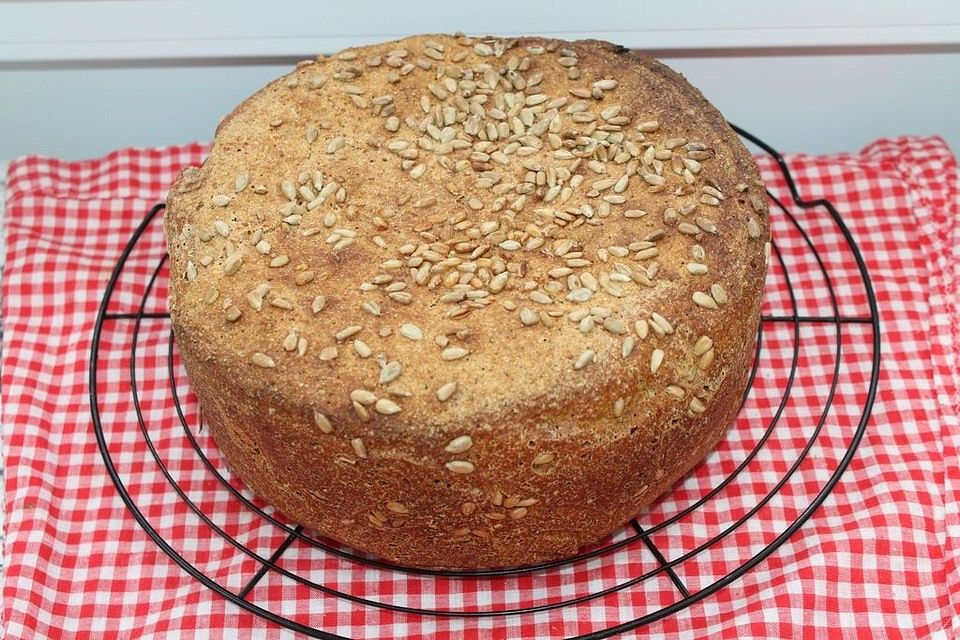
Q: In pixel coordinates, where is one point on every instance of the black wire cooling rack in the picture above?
(869, 347)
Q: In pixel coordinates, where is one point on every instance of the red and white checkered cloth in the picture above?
(878, 558)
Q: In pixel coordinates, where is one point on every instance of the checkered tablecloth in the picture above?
(878, 558)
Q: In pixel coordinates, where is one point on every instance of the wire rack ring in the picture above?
(187, 442)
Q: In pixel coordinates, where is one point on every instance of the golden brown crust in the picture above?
(562, 448)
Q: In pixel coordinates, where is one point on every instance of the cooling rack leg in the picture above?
(266, 566)
(659, 556)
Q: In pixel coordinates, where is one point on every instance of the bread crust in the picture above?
(560, 456)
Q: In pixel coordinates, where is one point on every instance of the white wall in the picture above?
(80, 78)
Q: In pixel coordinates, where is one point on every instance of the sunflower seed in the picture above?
(719, 293)
(396, 507)
(220, 200)
(706, 360)
(411, 332)
(628, 344)
(386, 407)
(359, 448)
(697, 406)
(656, 359)
(642, 328)
(453, 353)
(582, 294)
(390, 372)
(362, 396)
(459, 444)
(584, 359)
(696, 268)
(657, 329)
(303, 278)
(618, 407)
(703, 300)
(540, 297)
(348, 331)
(322, 422)
(262, 360)
(663, 323)
(371, 307)
(335, 145)
(586, 324)
(288, 189)
(707, 225)
(460, 466)
(703, 344)
(528, 317)
(362, 412)
(362, 348)
(232, 264)
(544, 457)
(498, 282)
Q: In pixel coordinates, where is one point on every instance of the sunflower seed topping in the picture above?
(346, 332)
(453, 353)
(362, 396)
(359, 448)
(703, 300)
(656, 359)
(719, 293)
(584, 359)
(703, 344)
(459, 444)
(322, 422)
(363, 350)
(262, 360)
(411, 332)
(390, 372)
(460, 466)
(523, 172)
(446, 390)
(386, 407)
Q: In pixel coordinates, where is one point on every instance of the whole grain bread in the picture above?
(468, 302)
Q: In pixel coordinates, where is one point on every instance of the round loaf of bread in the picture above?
(468, 302)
